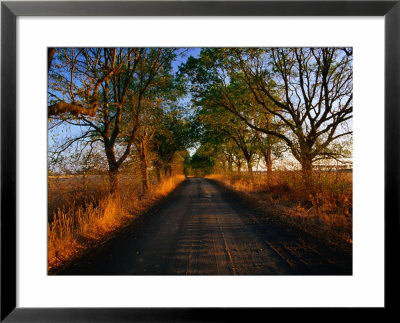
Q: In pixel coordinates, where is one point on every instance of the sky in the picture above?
(191, 51)
(62, 132)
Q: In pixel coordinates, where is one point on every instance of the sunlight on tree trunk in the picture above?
(113, 180)
(250, 168)
(145, 176)
(268, 163)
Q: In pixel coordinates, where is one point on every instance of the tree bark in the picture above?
(250, 168)
(230, 166)
(113, 166)
(239, 166)
(158, 172)
(75, 109)
(141, 146)
(50, 54)
(113, 179)
(145, 176)
(307, 174)
(268, 163)
(167, 171)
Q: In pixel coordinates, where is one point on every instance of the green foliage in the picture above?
(301, 97)
(202, 163)
(238, 105)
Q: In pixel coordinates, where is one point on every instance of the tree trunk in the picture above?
(167, 171)
(307, 174)
(50, 54)
(113, 179)
(250, 168)
(268, 163)
(112, 167)
(158, 172)
(143, 165)
(145, 176)
(239, 166)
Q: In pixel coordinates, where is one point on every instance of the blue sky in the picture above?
(65, 130)
(192, 51)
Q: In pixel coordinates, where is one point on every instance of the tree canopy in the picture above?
(300, 96)
(237, 106)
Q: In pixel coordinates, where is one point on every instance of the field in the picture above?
(81, 212)
(142, 114)
(325, 211)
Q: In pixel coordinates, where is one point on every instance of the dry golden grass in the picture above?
(325, 210)
(79, 224)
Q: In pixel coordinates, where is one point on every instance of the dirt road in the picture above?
(204, 229)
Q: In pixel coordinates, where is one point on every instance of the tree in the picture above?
(202, 162)
(307, 90)
(312, 90)
(221, 127)
(106, 92)
(211, 79)
(173, 136)
(142, 143)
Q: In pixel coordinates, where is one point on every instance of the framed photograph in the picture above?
(215, 168)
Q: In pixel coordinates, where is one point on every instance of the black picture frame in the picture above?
(10, 10)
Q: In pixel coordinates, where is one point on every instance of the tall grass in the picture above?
(78, 224)
(324, 211)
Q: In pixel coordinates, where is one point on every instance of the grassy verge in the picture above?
(325, 213)
(84, 219)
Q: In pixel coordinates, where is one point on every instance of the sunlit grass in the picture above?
(325, 210)
(79, 225)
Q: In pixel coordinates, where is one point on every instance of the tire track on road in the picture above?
(201, 229)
